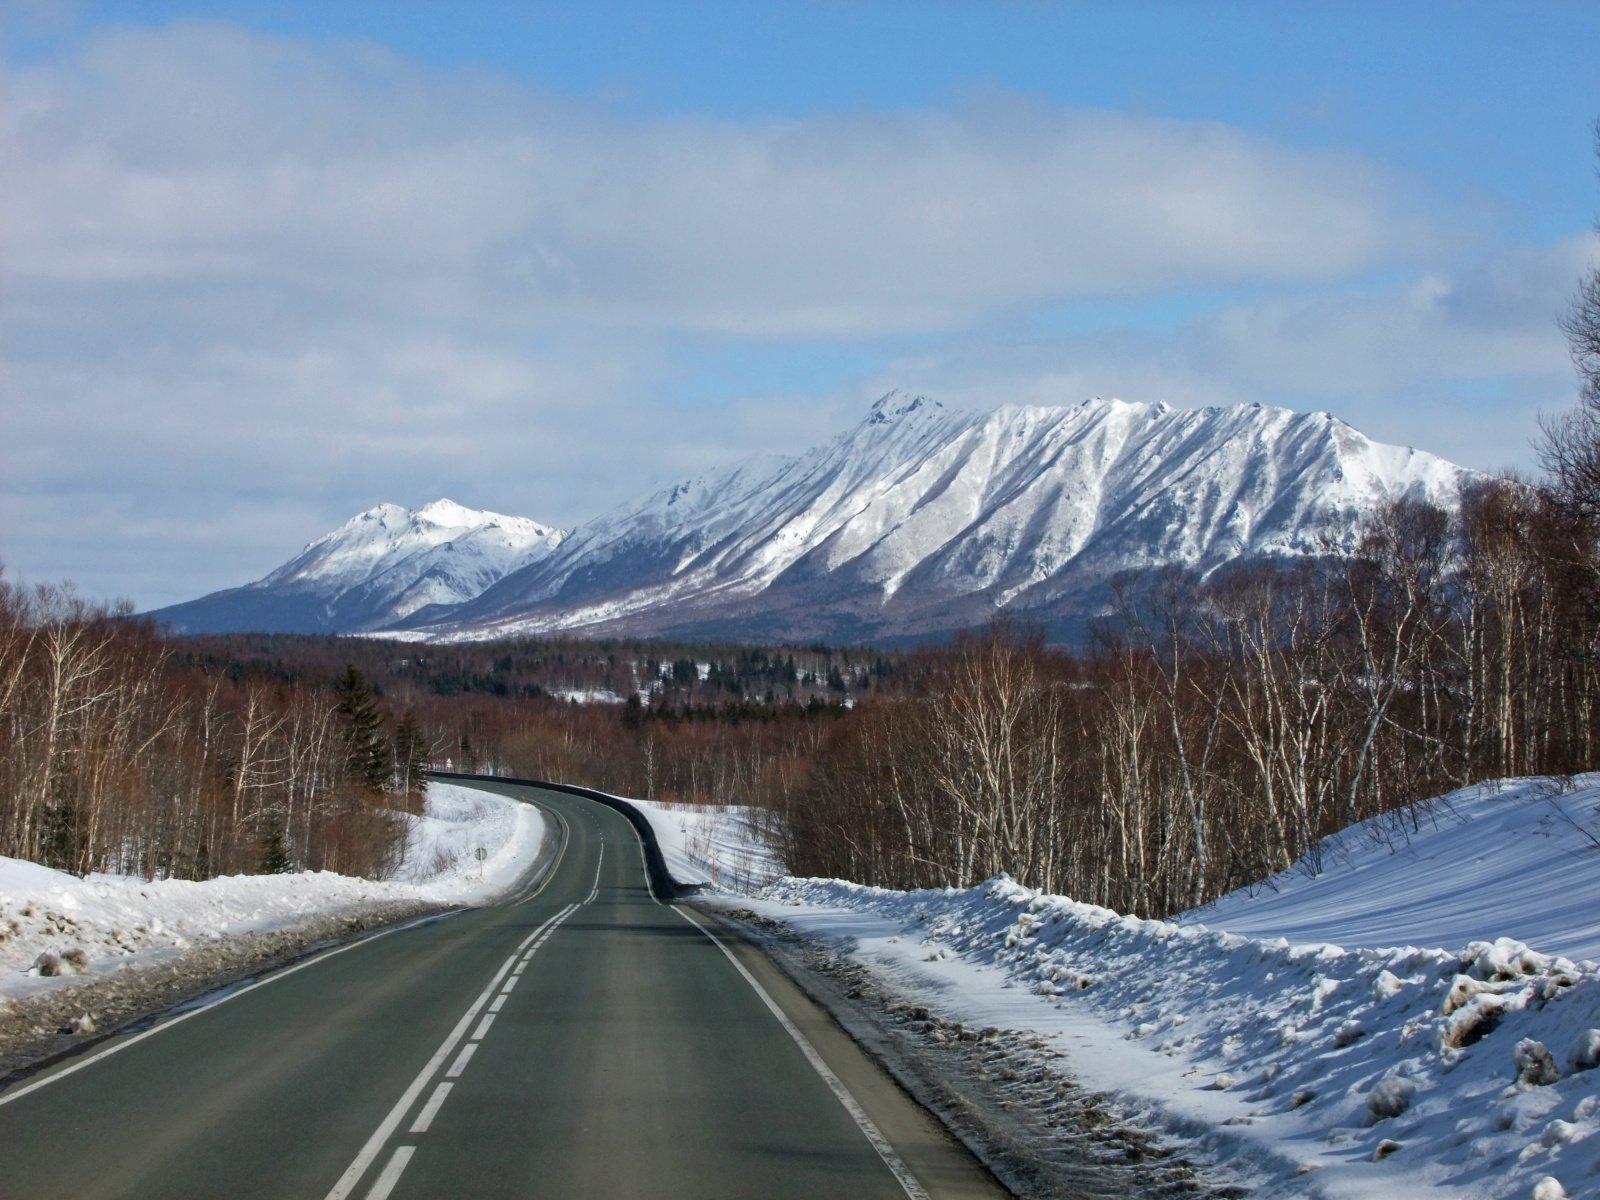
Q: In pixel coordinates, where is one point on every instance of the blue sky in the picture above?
(540, 257)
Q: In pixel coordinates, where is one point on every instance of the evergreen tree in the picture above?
(411, 758)
(367, 752)
(275, 858)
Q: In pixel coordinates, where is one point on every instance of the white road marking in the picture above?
(124, 1043)
(908, 1181)
(431, 1108)
(555, 866)
(483, 1027)
(595, 890)
(391, 1173)
(499, 1002)
(380, 1136)
(462, 1060)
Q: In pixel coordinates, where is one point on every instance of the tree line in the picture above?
(115, 756)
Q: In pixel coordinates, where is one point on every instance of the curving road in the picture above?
(582, 1040)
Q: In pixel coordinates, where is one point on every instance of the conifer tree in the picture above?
(367, 751)
(411, 758)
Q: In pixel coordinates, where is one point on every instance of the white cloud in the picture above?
(1459, 362)
(254, 280)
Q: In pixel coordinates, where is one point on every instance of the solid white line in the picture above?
(461, 1061)
(555, 866)
(431, 1108)
(908, 1181)
(595, 890)
(391, 1173)
(483, 1027)
(123, 1044)
(374, 1144)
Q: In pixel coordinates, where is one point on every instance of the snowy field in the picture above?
(95, 926)
(1368, 1032)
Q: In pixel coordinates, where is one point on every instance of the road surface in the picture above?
(579, 1040)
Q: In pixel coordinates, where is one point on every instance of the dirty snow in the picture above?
(1434, 1064)
(94, 926)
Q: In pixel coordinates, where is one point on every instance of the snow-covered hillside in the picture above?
(1370, 1031)
(919, 521)
(1518, 858)
(379, 567)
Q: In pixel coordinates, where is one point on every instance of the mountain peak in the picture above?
(893, 405)
(448, 512)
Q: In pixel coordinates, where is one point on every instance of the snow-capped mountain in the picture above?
(924, 520)
(379, 567)
(920, 521)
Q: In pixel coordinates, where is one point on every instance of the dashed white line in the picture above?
(462, 1060)
(483, 1027)
(391, 1173)
(431, 1108)
(499, 1002)
(380, 1136)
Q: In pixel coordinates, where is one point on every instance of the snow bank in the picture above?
(722, 847)
(1516, 858)
(1314, 1069)
(55, 926)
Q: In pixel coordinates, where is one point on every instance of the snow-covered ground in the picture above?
(713, 846)
(1370, 1032)
(98, 925)
(1519, 858)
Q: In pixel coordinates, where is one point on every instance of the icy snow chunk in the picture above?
(1390, 1097)
(1556, 1132)
(1534, 1064)
(1384, 985)
(1586, 1053)
(1549, 1188)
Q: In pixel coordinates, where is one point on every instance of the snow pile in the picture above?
(1312, 1069)
(1511, 858)
(55, 926)
(724, 847)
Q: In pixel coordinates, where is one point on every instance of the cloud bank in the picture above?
(253, 285)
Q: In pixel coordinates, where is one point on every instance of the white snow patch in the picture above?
(97, 925)
(722, 847)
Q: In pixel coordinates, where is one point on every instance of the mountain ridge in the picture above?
(922, 520)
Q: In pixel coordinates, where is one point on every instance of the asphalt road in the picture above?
(581, 1040)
